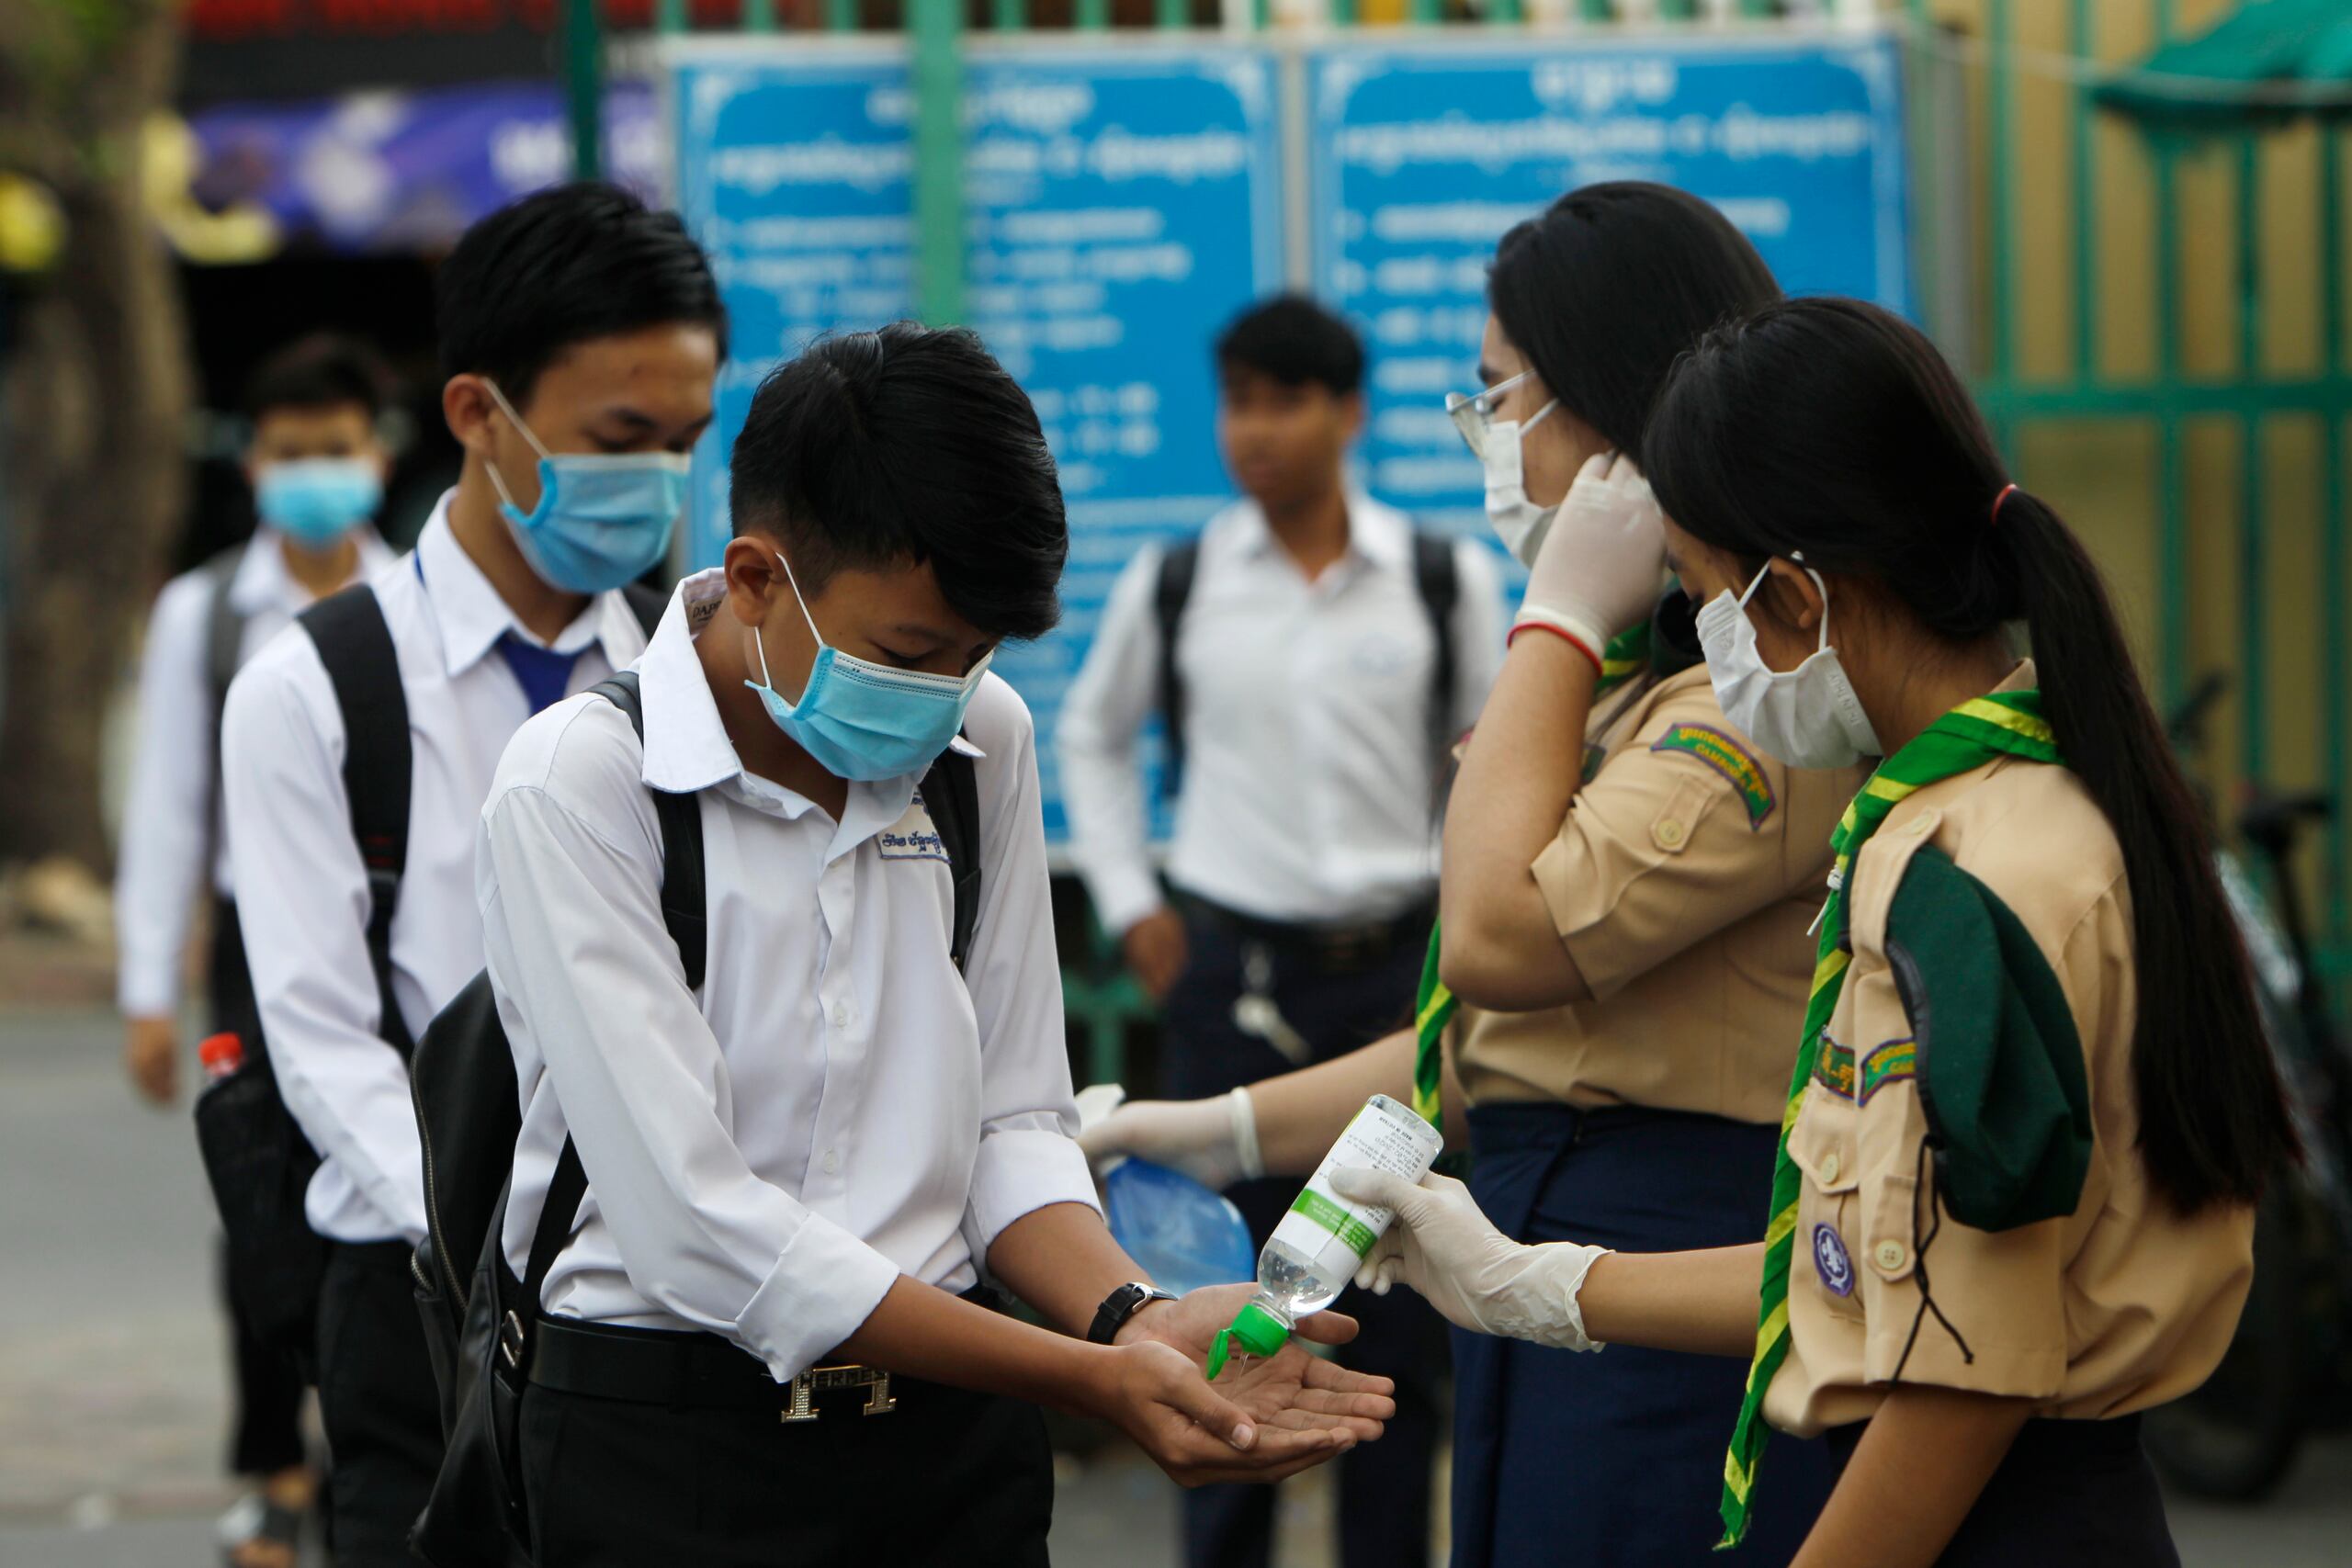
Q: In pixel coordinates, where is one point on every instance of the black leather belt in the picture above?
(1353, 945)
(703, 1372)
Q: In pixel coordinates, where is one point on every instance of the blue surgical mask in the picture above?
(862, 720)
(602, 522)
(316, 500)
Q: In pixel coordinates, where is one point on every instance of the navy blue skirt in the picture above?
(2080, 1492)
(1616, 1459)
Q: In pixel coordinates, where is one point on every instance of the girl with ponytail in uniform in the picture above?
(2031, 1106)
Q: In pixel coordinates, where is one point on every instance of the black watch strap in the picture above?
(1120, 1305)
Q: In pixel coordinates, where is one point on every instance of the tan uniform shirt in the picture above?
(2123, 1306)
(1681, 883)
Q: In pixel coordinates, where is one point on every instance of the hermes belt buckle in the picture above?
(820, 1380)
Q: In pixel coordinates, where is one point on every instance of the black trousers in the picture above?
(377, 1398)
(950, 1478)
(265, 1431)
(2080, 1492)
(1384, 1487)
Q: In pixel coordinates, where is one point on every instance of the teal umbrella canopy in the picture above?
(2269, 62)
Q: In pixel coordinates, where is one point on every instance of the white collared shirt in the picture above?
(172, 815)
(838, 1106)
(302, 890)
(1308, 793)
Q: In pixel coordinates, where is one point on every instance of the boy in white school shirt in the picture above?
(810, 1161)
(317, 467)
(579, 333)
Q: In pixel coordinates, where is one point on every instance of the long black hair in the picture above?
(1835, 427)
(1604, 288)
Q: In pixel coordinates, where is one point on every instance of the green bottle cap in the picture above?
(1261, 1332)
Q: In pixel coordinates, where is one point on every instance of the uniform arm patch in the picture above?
(1893, 1062)
(1730, 759)
(1832, 1068)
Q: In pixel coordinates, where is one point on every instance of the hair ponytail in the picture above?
(2213, 1123)
(1833, 427)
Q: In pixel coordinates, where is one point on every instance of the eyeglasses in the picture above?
(1474, 412)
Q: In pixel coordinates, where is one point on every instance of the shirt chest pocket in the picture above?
(1822, 1147)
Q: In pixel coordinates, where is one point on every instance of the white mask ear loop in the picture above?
(514, 419)
(760, 644)
(1798, 558)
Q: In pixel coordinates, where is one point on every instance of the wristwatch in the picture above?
(1120, 1305)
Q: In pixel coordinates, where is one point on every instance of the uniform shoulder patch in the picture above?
(1727, 757)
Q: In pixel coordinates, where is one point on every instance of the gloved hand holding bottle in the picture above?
(1443, 1246)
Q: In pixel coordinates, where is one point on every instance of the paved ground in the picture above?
(111, 1378)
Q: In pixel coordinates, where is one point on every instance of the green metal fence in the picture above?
(1991, 250)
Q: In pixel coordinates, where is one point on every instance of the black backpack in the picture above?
(259, 1163)
(462, 1078)
(1436, 579)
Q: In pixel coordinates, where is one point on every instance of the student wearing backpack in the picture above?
(317, 468)
(579, 333)
(1313, 656)
(766, 1340)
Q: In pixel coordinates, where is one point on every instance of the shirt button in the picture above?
(832, 1162)
(1889, 1256)
(843, 1015)
(1669, 833)
(1829, 1166)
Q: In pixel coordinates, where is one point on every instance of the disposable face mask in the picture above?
(1519, 522)
(862, 720)
(1809, 717)
(316, 500)
(601, 521)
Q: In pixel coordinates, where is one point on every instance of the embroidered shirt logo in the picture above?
(1727, 757)
(1890, 1063)
(1830, 1258)
(912, 836)
(1832, 1068)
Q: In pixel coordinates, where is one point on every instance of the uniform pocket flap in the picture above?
(1888, 1248)
(1822, 1143)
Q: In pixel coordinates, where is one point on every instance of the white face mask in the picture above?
(1520, 524)
(1808, 717)
(1496, 443)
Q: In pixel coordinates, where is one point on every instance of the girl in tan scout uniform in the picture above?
(1626, 884)
(2031, 1108)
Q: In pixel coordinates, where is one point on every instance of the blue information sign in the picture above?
(1421, 158)
(1120, 205)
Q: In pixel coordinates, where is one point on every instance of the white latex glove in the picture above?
(1598, 570)
(1213, 1141)
(1443, 1246)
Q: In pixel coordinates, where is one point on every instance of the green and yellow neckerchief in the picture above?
(1974, 733)
(1626, 657)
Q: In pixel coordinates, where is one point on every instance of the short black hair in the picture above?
(573, 263)
(905, 446)
(1297, 341)
(320, 371)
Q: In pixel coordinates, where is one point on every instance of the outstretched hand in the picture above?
(1306, 1409)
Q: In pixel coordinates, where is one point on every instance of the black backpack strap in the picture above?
(1437, 579)
(951, 792)
(684, 901)
(647, 603)
(356, 645)
(684, 913)
(1178, 569)
(225, 627)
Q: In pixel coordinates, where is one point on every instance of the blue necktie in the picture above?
(545, 674)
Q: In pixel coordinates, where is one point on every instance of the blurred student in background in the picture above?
(317, 465)
(1312, 657)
